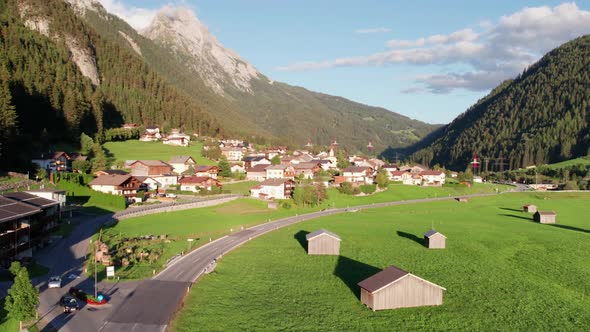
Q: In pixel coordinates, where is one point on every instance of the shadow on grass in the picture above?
(351, 272)
(412, 237)
(511, 209)
(571, 228)
(518, 217)
(300, 237)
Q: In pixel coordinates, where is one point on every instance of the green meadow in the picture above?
(214, 222)
(571, 162)
(134, 150)
(502, 271)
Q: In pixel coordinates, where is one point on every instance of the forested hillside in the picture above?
(540, 117)
(51, 98)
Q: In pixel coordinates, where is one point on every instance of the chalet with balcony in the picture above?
(126, 185)
(251, 161)
(53, 162)
(207, 171)
(150, 168)
(358, 175)
(232, 153)
(197, 183)
(273, 189)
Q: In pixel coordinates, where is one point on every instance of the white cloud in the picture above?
(373, 30)
(137, 17)
(502, 50)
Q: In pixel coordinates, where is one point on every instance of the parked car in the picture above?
(171, 195)
(54, 282)
(69, 303)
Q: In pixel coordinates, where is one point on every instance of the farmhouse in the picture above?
(206, 170)
(177, 138)
(110, 172)
(54, 162)
(196, 183)
(396, 175)
(256, 173)
(149, 183)
(273, 189)
(411, 179)
(251, 161)
(149, 168)
(152, 133)
(181, 164)
(530, 208)
(279, 172)
(357, 174)
(418, 168)
(116, 184)
(325, 164)
(308, 170)
(395, 288)
(432, 178)
(435, 240)
(323, 242)
(545, 217)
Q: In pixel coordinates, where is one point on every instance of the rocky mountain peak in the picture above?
(221, 68)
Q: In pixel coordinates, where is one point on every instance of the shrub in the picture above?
(345, 188)
(286, 205)
(368, 188)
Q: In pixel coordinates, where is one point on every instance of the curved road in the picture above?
(139, 311)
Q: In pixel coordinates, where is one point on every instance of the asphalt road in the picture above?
(186, 270)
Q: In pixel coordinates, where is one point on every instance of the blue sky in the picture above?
(429, 60)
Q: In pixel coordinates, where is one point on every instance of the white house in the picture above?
(396, 175)
(238, 169)
(280, 171)
(357, 174)
(176, 138)
(411, 179)
(152, 133)
(256, 173)
(197, 183)
(432, 178)
(232, 153)
(166, 180)
(150, 183)
(52, 194)
(273, 189)
(181, 164)
(207, 171)
(116, 184)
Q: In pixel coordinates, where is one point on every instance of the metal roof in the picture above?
(321, 232)
(11, 209)
(31, 199)
(432, 232)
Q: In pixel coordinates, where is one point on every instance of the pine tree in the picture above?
(224, 167)
(22, 299)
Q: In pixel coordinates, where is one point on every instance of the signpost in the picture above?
(110, 271)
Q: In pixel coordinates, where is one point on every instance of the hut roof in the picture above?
(110, 180)
(386, 277)
(432, 232)
(527, 205)
(547, 213)
(321, 232)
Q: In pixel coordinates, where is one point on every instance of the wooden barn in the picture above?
(545, 217)
(323, 242)
(462, 200)
(435, 240)
(530, 208)
(395, 288)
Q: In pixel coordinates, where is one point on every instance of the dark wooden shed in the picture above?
(435, 240)
(323, 242)
(545, 217)
(395, 288)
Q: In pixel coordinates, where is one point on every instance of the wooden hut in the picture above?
(323, 242)
(435, 240)
(462, 200)
(395, 288)
(545, 217)
(530, 208)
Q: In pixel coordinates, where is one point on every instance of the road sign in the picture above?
(110, 271)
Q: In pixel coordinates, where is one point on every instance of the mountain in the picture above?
(542, 116)
(243, 100)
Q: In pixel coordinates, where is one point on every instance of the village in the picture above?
(275, 169)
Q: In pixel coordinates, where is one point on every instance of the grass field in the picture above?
(214, 222)
(571, 162)
(502, 271)
(240, 187)
(134, 150)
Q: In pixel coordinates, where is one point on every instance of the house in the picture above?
(53, 162)
(395, 288)
(110, 172)
(152, 133)
(52, 194)
(396, 175)
(280, 171)
(197, 183)
(418, 168)
(545, 217)
(273, 189)
(177, 138)
(308, 170)
(432, 178)
(149, 168)
(166, 180)
(126, 185)
(325, 164)
(390, 167)
(207, 170)
(357, 174)
(256, 173)
(530, 208)
(411, 179)
(251, 161)
(434, 240)
(25, 225)
(323, 242)
(232, 153)
(275, 151)
(237, 169)
(149, 183)
(181, 164)
(454, 174)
